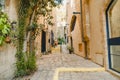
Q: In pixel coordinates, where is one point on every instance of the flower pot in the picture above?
(70, 52)
(7, 39)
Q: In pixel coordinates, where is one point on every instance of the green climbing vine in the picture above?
(4, 27)
(26, 62)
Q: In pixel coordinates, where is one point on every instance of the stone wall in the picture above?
(74, 6)
(97, 43)
(8, 51)
(7, 62)
(47, 29)
(95, 29)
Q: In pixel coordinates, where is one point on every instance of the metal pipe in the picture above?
(82, 31)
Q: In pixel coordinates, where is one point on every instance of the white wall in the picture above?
(8, 51)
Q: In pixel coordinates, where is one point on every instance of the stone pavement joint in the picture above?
(58, 70)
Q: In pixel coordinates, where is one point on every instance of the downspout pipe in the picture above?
(81, 21)
(82, 31)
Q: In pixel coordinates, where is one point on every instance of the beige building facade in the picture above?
(74, 6)
(96, 24)
(95, 36)
(43, 41)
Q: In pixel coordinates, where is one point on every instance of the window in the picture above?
(113, 27)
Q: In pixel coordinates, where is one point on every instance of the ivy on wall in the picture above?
(21, 63)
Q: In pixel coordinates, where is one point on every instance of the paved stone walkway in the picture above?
(86, 76)
(47, 64)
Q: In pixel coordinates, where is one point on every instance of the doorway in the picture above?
(43, 42)
(113, 34)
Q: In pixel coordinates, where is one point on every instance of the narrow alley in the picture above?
(68, 67)
(59, 39)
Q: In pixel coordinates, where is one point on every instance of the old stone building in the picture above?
(74, 6)
(93, 31)
(44, 39)
(96, 31)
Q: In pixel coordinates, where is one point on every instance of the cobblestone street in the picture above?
(47, 65)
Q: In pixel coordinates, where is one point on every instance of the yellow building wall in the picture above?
(114, 16)
(74, 6)
(97, 32)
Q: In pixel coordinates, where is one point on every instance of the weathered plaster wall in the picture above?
(74, 6)
(7, 62)
(47, 29)
(94, 28)
(8, 51)
(39, 37)
(86, 26)
(97, 42)
(38, 44)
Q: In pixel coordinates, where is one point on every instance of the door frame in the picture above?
(110, 41)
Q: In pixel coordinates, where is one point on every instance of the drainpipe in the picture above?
(82, 31)
(81, 21)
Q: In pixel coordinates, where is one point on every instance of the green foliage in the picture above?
(31, 62)
(33, 26)
(26, 62)
(4, 26)
(21, 67)
(70, 48)
(21, 63)
(61, 40)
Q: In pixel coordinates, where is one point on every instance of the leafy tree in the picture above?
(31, 9)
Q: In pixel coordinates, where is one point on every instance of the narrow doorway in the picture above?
(43, 42)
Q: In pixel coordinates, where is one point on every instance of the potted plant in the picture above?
(70, 49)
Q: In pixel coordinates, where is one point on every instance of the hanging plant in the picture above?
(7, 39)
(4, 27)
